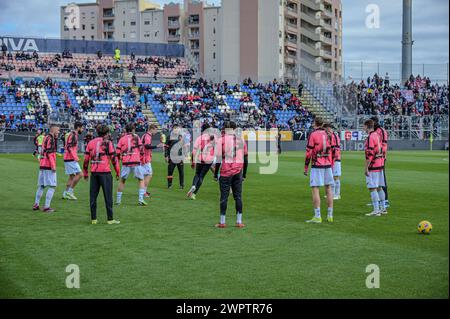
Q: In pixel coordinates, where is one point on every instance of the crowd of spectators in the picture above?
(378, 96)
(257, 109)
(87, 69)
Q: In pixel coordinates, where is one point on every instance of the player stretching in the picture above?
(99, 153)
(129, 151)
(71, 165)
(47, 172)
(202, 160)
(232, 165)
(336, 151)
(374, 169)
(384, 141)
(319, 154)
(146, 156)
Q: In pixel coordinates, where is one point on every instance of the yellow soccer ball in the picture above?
(424, 227)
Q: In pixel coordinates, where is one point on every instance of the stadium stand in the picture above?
(80, 87)
(90, 66)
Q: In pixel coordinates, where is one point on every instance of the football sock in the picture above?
(375, 201)
(49, 196)
(382, 198)
(222, 219)
(330, 211)
(239, 218)
(141, 194)
(70, 190)
(317, 212)
(119, 197)
(337, 187)
(39, 193)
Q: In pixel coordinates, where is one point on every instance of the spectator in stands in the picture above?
(99, 54)
(300, 89)
(117, 55)
(66, 54)
(4, 49)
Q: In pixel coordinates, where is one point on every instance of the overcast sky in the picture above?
(430, 31)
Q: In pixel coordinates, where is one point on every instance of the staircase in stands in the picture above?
(310, 103)
(148, 113)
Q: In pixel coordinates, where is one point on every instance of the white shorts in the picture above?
(375, 180)
(321, 177)
(337, 169)
(72, 168)
(136, 170)
(47, 178)
(147, 169)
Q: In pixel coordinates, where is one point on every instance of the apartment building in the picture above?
(261, 39)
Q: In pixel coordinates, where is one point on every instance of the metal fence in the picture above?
(360, 71)
(405, 127)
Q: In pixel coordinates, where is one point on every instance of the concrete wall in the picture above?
(230, 50)
(127, 12)
(153, 31)
(269, 40)
(89, 15)
(212, 36)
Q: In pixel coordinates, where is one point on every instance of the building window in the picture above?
(92, 37)
(92, 26)
(133, 35)
(123, 35)
(147, 22)
(83, 26)
(133, 23)
(83, 37)
(74, 37)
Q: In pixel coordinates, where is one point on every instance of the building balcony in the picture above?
(194, 21)
(326, 12)
(311, 49)
(310, 33)
(108, 15)
(291, 12)
(108, 28)
(174, 37)
(291, 28)
(312, 4)
(325, 25)
(326, 54)
(290, 59)
(291, 46)
(310, 18)
(172, 24)
(195, 35)
(326, 67)
(326, 40)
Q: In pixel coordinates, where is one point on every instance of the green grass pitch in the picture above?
(171, 249)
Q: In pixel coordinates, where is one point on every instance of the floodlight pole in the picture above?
(407, 41)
